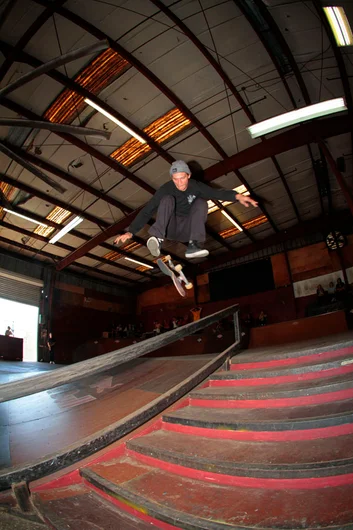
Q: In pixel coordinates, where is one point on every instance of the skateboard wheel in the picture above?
(188, 285)
(168, 258)
(178, 267)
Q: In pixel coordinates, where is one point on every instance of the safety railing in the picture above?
(80, 370)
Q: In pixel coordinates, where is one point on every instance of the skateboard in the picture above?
(178, 276)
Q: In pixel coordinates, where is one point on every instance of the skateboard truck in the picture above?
(176, 273)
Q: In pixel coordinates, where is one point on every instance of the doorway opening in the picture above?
(23, 321)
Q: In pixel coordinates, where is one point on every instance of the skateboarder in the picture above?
(181, 205)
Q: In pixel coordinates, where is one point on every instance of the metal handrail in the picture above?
(80, 370)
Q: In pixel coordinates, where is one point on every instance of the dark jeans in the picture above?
(51, 355)
(181, 228)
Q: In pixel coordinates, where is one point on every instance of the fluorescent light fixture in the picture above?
(297, 116)
(340, 26)
(25, 217)
(231, 220)
(115, 120)
(139, 262)
(76, 221)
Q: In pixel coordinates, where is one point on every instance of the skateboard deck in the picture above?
(176, 274)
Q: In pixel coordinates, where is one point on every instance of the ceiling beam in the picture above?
(32, 169)
(29, 33)
(300, 230)
(86, 148)
(211, 232)
(100, 35)
(157, 82)
(56, 202)
(297, 137)
(339, 60)
(273, 27)
(320, 224)
(228, 83)
(55, 257)
(285, 48)
(55, 127)
(11, 4)
(99, 222)
(71, 84)
(68, 177)
(208, 56)
(85, 93)
(280, 143)
(45, 240)
(44, 68)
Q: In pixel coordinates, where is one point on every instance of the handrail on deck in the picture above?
(80, 370)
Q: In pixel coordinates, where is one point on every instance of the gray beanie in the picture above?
(179, 166)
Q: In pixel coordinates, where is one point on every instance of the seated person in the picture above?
(340, 289)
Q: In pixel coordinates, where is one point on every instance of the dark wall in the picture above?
(78, 318)
(279, 304)
(243, 280)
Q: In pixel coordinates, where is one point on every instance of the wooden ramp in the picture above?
(266, 442)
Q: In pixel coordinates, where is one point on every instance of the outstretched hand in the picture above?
(122, 238)
(245, 200)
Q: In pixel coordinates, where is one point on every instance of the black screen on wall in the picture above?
(250, 278)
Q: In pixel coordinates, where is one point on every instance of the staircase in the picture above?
(266, 443)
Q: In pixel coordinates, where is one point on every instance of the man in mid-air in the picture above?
(181, 205)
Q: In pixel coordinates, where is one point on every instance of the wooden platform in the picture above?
(299, 330)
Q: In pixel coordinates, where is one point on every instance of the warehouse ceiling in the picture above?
(188, 77)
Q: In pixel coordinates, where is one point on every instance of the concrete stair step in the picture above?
(270, 419)
(301, 393)
(306, 458)
(79, 508)
(188, 503)
(292, 354)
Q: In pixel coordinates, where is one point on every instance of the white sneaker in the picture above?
(154, 246)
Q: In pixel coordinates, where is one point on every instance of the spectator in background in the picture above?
(166, 325)
(8, 332)
(340, 289)
(249, 321)
(157, 327)
(321, 295)
(184, 320)
(331, 292)
(50, 345)
(196, 313)
(175, 323)
(262, 318)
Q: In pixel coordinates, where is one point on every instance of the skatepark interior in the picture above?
(226, 421)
